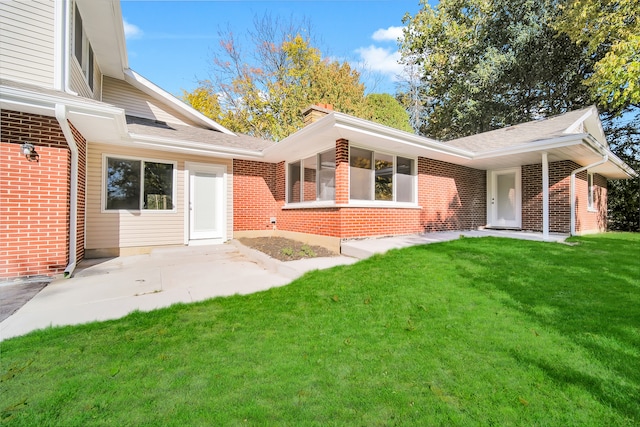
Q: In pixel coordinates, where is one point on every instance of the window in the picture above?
(590, 200)
(378, 176)
(137, 184)
(82, 49)
(313, 178)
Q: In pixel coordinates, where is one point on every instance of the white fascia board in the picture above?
(121, 39)
(191, 147)
(11, 95)
(369, 128)
(302, 140)
(574, 127)
(151, 89)
(617, 161)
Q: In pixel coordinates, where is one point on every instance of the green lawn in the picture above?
(471, 332)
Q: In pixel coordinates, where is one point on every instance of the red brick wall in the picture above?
(34, 197)
(81, 143)
(594, 220)
(452, 197)
(559, 199)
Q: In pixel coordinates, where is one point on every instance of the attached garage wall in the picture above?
(126, 232)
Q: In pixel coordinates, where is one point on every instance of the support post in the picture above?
(545, 196)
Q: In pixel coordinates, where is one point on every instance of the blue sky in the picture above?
(169, 42)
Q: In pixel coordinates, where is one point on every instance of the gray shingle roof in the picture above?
(522, 134)
(178, 132)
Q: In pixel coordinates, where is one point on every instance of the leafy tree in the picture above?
(263, 93)
(624, 195)
(486, 65)
(611, 31)
(385, 109)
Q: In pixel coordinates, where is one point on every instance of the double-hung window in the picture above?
(82, 49)
(313, 178)
(136, 184)
(379, 176)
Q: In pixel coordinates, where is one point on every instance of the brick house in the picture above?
(98, 161)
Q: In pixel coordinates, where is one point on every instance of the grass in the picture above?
(471, 332)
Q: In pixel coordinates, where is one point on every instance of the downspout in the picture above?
(572, 190)
(61, 116)
(66, 47)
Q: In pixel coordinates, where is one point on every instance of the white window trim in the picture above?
(86, 45)
(306, 203)
(174, 188)
(385, 203)
(591, 201)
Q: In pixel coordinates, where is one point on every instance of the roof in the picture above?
(157, 129)
(524, 133)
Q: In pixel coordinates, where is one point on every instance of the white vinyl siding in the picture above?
(27, 41)
(78, 83)
(139, 104)
(129, 229)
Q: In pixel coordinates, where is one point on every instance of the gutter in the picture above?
(572, 190)
(61, 116)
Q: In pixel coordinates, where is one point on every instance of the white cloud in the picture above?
(131, 31)
(388, 34)
(382, 60)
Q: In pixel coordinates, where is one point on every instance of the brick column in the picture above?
(342, 171)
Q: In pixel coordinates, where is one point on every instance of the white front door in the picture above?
(504, 198)
(206, 202)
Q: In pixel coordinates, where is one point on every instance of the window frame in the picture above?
(394, 202)
(142, 160)
(82, 46)
(591, 201)
(317, 201)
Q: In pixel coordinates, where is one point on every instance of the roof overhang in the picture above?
(102, 21)
(581, 148)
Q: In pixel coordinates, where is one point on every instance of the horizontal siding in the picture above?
(26, 41)
(79, 84)
(139, 104)
(138, 229)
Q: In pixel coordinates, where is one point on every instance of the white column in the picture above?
(545, 196)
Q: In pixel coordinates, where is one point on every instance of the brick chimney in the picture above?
(316, 112)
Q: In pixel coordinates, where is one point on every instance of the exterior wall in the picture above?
(26, 41)
(115, 230)
(78, 83)
(81, 143)
(34, 197)
(559, 199)
(591, 220)
(139, 104)
(451, 197)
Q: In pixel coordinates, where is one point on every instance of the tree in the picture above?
(385, 109)
(624, 195)
(263, 93)
(486, 65)
(610, 30)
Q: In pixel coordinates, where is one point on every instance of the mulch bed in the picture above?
(284, 249)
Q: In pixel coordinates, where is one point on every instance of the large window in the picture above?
(378, 176)
(82, 49)
(138, 184)
(313, 178)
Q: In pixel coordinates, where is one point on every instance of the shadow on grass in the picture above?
(588, 293)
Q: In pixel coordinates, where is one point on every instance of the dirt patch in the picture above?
(284, 249)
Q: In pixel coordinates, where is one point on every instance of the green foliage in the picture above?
(624, 195)
(263, 93)
(486, 65)
(385, 109)
(611, 31)
(469, 332)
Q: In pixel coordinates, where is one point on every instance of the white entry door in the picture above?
(505, 199)
(206, 202)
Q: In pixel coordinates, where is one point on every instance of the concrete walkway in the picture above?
(112, 288)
